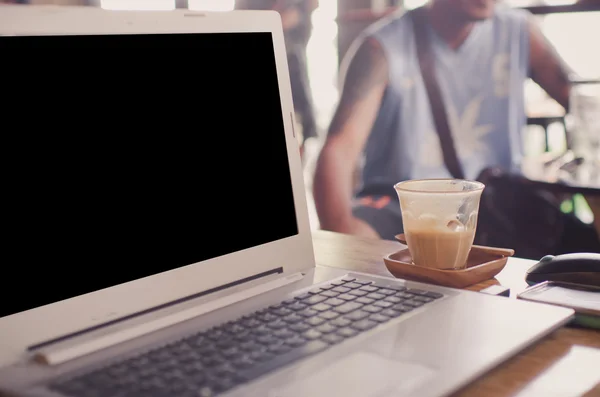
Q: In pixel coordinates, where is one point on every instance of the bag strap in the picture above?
(426, 63)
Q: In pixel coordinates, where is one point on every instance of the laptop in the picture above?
(156, 230)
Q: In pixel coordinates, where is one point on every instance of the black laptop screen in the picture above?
(126, 156)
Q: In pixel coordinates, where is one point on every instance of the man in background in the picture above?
(483, 54)
(297, 29)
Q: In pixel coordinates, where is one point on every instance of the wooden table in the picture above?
(365, 255)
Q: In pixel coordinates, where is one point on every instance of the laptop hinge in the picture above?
(71, 349)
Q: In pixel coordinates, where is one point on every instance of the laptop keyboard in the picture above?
(215, 360)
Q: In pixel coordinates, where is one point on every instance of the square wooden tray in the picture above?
(483, 263)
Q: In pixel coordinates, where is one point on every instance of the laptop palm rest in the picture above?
(348, 377)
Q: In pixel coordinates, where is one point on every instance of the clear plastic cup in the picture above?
(440, 220)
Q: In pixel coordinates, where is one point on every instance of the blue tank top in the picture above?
(482, 84)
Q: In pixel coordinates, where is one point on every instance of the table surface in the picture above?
(366, 255)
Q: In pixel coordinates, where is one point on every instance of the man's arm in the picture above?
(364, 84)
(547, 68)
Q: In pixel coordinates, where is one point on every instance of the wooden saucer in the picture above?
(483, 264)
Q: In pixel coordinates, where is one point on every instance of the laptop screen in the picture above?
(126, 156)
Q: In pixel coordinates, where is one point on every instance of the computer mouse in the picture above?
(577, 268)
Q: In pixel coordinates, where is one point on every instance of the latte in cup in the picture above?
(440, 220)
(440, 249)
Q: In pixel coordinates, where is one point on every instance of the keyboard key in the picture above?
(394, 299)
(252, 323)
(267, 318)
(334, 302)
(277, 324)
(288, 301)
(402, 308)
(227, 353)
(279, 349)
(396, 288)
(380, 318)
(434, 295)
(326, 328)
(206, 391)
(308, 313)
(315, 291)
(321, 307)
(250, 346)
(262, 330)
(363, 282)
(383, 304)
(375, 295)
(412, 303)
(368, 288)
(237, 328)
(277, 362)
(404, 295)
(348, 279)
(386, 291)
(338, 283)
(300, 327)
(329, 294)
(346, 332)
(326, 287)
(284, 311)
(303, 296)
(341, 290)
(364, 325)
(216, 334)
(357, 315)
(372, 309)
(311, 334)
(365, 300)
(391, 313)
(297, 306)
(424, 299)
(340, 322)
(284, 333)
(347, 307)
(243, 362)
(313, 300)
(357, 292)
(293, 318)
(295, 341)
(416, 291)
(332, 338)
(347, 297)
(260, 355)
(329, 315)
(314, 321)
(244, 335)
(267, 340)
(352, 285)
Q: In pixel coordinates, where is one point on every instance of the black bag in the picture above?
(513, 213)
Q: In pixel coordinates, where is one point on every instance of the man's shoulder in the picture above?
(505, 13)
(392, 26)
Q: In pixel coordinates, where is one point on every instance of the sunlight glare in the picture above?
(211, 5)
(151, 5)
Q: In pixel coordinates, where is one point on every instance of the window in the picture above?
(137, 4)
(211, 5)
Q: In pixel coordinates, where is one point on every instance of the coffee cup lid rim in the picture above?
(479, 186)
